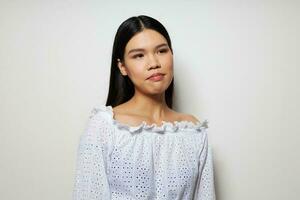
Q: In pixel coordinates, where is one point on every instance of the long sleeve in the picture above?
(91, 181)
(205, 189)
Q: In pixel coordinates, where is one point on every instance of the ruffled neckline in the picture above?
(165, 125)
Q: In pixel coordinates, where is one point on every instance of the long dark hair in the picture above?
(121, 88)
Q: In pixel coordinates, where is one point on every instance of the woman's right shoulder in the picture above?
(98, 127)
(100, 111)
(98, 122)
(100, 115)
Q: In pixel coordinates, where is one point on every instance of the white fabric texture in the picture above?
(119, 162)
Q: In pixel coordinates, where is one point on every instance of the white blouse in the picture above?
(118, 161)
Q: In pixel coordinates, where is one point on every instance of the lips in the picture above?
(155, 74)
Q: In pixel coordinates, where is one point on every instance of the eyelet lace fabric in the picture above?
(154, 162)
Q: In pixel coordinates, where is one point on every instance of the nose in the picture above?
(153, 61)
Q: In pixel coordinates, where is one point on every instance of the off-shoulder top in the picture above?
(153, 162)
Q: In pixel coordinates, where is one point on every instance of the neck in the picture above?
(152, 106)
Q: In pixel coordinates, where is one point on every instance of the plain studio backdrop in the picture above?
(236, 64)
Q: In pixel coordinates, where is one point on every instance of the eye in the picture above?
(163, 50)
(138, 55)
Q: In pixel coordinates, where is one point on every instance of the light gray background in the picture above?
(236, 64)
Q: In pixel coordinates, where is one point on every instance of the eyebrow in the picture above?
(140, 49)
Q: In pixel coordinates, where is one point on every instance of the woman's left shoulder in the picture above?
(186, 117)
(181, 116)
(190, 117)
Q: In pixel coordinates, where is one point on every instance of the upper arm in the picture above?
(91, 181)
(205, 184)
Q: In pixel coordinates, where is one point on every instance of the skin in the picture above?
(148, 103)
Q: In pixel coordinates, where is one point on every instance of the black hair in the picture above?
(121, 88)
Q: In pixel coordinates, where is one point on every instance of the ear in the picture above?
(122, 67)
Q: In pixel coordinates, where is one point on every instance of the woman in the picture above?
(136, 146)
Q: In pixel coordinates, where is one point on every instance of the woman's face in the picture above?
(146, 53)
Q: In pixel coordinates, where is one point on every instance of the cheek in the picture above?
(136, 73)
(168, 63)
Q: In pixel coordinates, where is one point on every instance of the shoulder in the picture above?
(180, 116)
(98, 126)
(98, 129)
(99, 116)
(186, 117)
(100, 111)
(190, 117)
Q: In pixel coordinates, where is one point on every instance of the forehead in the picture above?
(146, 39)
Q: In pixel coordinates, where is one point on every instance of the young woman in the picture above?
(136, 146)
